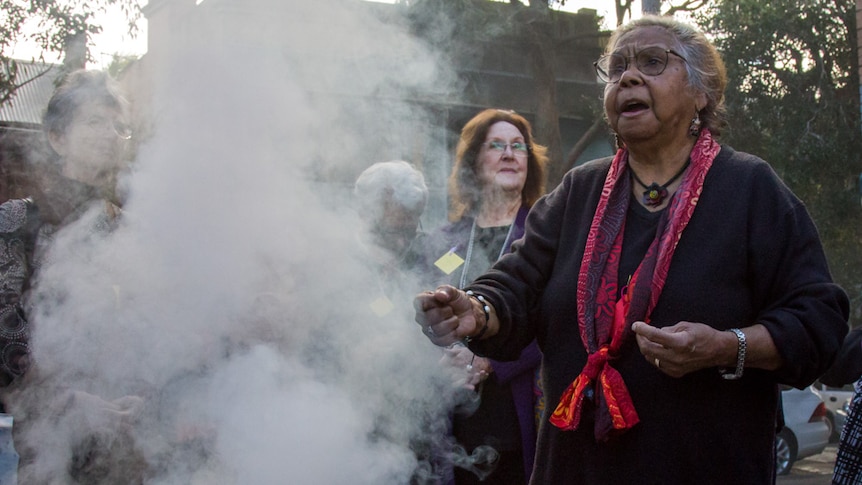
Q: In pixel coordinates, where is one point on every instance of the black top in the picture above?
(750, 254)
(495, 422)
(848, 365)
(506, 416)
(641, 226)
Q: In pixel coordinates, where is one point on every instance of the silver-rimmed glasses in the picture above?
(98, 124)
(651, 61)
(518, 147)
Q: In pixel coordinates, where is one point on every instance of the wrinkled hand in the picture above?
(445, 315)
(469, 370)
(679, 349)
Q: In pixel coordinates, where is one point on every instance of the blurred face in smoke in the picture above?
(396, 227)
(503, 158)
(91, 147)
(247, 218)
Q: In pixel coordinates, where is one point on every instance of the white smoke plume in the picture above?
(233, 298)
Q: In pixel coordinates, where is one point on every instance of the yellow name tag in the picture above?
(449, 262)
(381, 306)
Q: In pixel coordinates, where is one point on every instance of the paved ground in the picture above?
(814, 470)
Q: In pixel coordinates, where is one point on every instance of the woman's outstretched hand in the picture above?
(446, 315)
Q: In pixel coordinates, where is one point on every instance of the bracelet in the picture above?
(486, 309)
(740, 357)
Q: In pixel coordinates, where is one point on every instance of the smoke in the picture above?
(233, 301)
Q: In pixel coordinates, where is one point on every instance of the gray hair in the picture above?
(397, 180)
(706, 70)
(79, 88)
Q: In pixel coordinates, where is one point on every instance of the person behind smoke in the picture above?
(391, 197)
(85, 126)
(497, 176)
(672, 287)
(847, 369)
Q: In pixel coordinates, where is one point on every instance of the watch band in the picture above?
(740, 357)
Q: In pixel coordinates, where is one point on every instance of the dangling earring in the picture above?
(618, 142)
(694, 127)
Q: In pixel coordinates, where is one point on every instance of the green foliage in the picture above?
(793, 99)
(50, 24)
(119, 64)
(446, 23)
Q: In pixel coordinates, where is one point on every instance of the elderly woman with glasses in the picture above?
(497, 176)
(85, 126)
(671, 287)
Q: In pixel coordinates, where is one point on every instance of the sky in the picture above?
(115, 38)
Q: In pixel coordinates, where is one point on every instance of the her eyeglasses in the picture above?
(651, 61)
(101, 125)
(518, 147)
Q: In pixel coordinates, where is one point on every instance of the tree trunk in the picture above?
(596, 129)
(75, 51)
(651, 7)
(623, 6)
(547, 123)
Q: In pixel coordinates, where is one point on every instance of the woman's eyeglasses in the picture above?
(651, 61)
(103, 126)
(518, 147)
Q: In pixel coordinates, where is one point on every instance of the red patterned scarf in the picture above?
(604, 323)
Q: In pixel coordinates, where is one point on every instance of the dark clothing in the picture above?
(508, 468)
(27, 227)
(455, 237)
(750, 254)
(27, 232)
(505, 418)
(19, 227)
(848, 460)
(641, 226)
(847, 367)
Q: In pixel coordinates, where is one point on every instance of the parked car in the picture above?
(806, 429)
(834, 398)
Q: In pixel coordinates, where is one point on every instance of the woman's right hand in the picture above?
(468, 369)
(446, 315)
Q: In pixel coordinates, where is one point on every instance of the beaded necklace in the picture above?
(469, 254)
(654, 194)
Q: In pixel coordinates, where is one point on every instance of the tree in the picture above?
(792, 99)
(474, 22)
(650, 6)
(622, 8)
(60, 26)
(686, 6)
